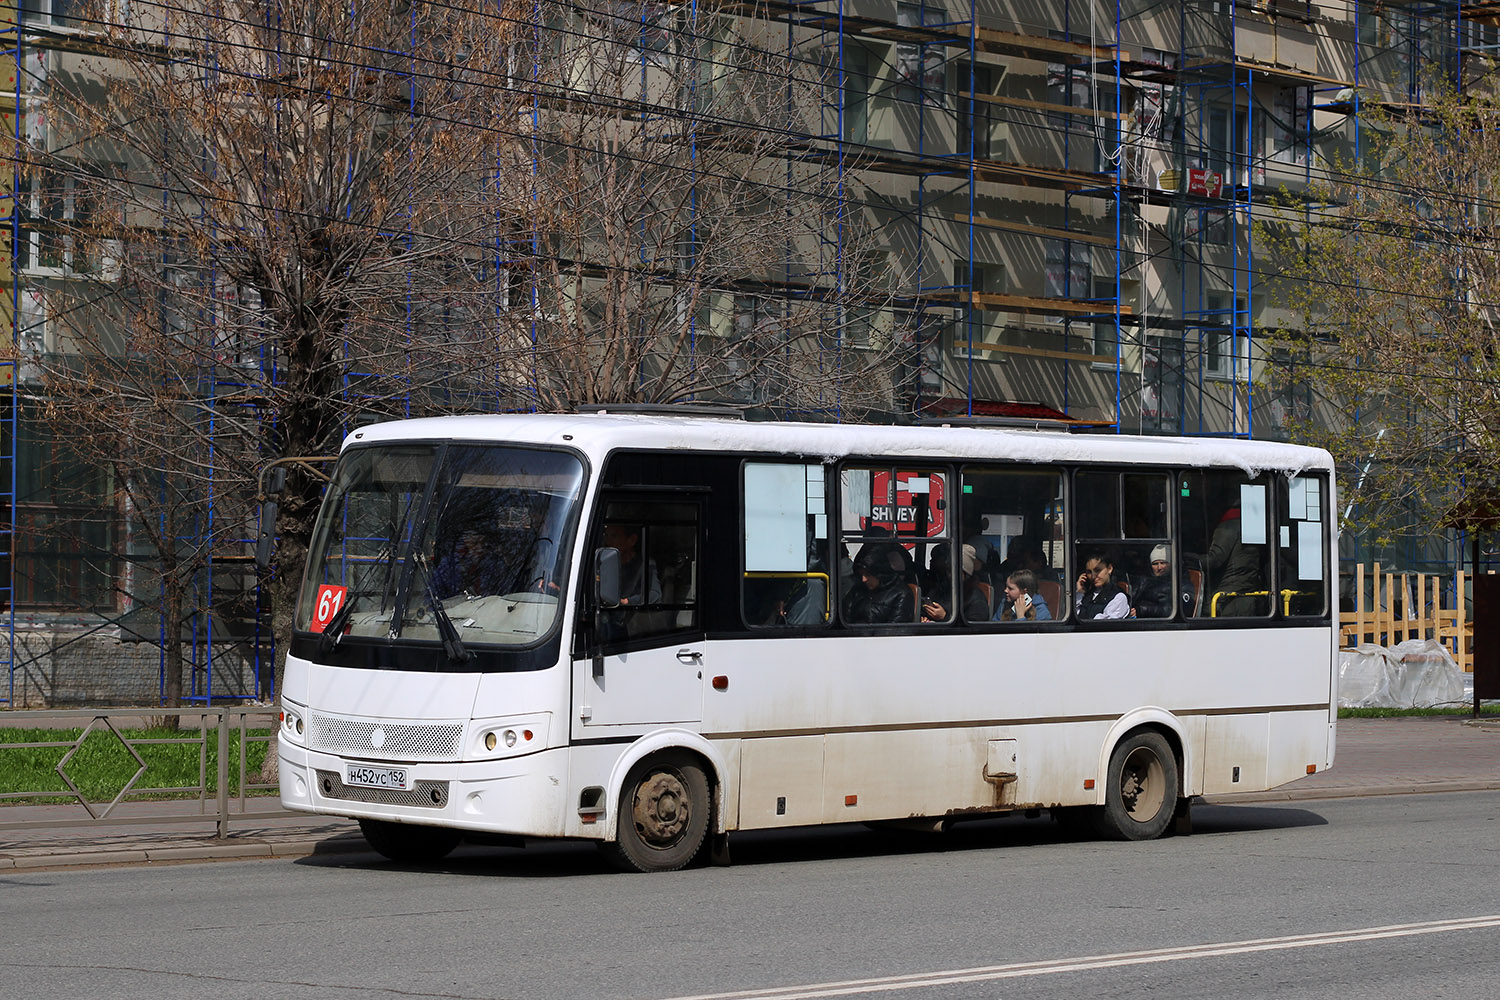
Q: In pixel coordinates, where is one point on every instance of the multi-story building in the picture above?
(1062, 198)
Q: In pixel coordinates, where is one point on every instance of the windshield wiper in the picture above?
(333, 632)
(453, 645)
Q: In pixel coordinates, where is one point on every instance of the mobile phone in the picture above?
(1027, 599)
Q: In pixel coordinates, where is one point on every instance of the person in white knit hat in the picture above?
(1153, 598)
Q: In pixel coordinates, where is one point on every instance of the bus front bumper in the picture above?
(525, 796)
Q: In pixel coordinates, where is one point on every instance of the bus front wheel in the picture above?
(663, 818)
(1141, 794)
(407, 843)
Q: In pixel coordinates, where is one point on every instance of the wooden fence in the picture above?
(1401, 606)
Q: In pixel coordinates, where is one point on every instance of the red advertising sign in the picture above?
(918, 500)
(330, 599)
(1208, 183)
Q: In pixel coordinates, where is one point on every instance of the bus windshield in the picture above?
(464, 544)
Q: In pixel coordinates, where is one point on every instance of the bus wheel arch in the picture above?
(666, 795)
(1142, 783)
(1164, 722)
(664, 809)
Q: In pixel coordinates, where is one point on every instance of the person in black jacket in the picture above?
(1153, 597)
(880, 594)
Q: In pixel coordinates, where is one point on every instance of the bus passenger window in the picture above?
(787, 579)
(1223, 532)
(1125, 558)
(1301, 540)
(1013, 520)
(890, 522)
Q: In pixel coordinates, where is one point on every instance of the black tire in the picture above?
(664, 813)
(409, 844)
(1140, 795)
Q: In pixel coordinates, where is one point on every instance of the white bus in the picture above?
(653, 630)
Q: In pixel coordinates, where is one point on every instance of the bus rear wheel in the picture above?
(409, 844)
(1141, 791)
(663, 818)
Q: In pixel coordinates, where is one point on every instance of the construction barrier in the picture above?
(1401, 606)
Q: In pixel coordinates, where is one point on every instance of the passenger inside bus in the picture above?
(880, 594)
(1022, 601)
(1095, 594)
(1152, 596)
(937, 600)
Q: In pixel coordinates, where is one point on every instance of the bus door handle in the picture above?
(691, 656)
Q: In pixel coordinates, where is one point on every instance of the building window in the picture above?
(65, 524)
(53, 13)
(985, 279)
(1226, 337)
(919, 67)
(1068, 270)
(1290, 124)
(857, 81)
(1162, 385)
(975, 115)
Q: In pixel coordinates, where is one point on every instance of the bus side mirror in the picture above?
(267, 536)
(607, 578)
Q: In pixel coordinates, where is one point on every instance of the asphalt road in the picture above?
(1374, 897)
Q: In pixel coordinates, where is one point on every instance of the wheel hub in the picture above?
(1141, 784)
(661, 810)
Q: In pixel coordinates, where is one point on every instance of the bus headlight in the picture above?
(292, 725)
(491, 741)
(508, 737)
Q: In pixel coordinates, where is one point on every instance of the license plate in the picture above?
(394, 778)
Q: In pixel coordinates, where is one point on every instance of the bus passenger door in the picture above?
(650, 653)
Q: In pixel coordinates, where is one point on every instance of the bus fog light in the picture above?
(510, 737)
(489, 741)
(299, 727)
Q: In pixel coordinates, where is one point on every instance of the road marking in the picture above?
(1017, 970)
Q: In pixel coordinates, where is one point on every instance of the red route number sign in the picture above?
(901, 517)
(330, 599)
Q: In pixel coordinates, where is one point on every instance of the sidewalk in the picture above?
(1403, 756)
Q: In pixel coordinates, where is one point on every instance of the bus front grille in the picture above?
(385, 740)
(426, 794)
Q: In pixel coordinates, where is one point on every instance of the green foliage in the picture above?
(102, 765)
(1488, 711)
(1390, 265)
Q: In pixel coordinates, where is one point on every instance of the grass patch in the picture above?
(1488, 711)
(102, 765)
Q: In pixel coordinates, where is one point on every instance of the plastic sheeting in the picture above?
(1418, 673)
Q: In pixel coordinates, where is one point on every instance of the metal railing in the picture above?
(220, 770)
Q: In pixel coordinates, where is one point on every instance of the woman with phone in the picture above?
(1022, 602)
(1096, 595)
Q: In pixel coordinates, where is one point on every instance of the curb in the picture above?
(1351, 792)
(232, 850)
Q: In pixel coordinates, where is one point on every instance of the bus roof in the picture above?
(596, 434)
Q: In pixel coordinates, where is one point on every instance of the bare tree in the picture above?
(269, 236)
(282, 219)
(1395, 272)
(678, 237)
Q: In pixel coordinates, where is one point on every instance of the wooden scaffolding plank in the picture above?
(1046, 106)
(1030, 230)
